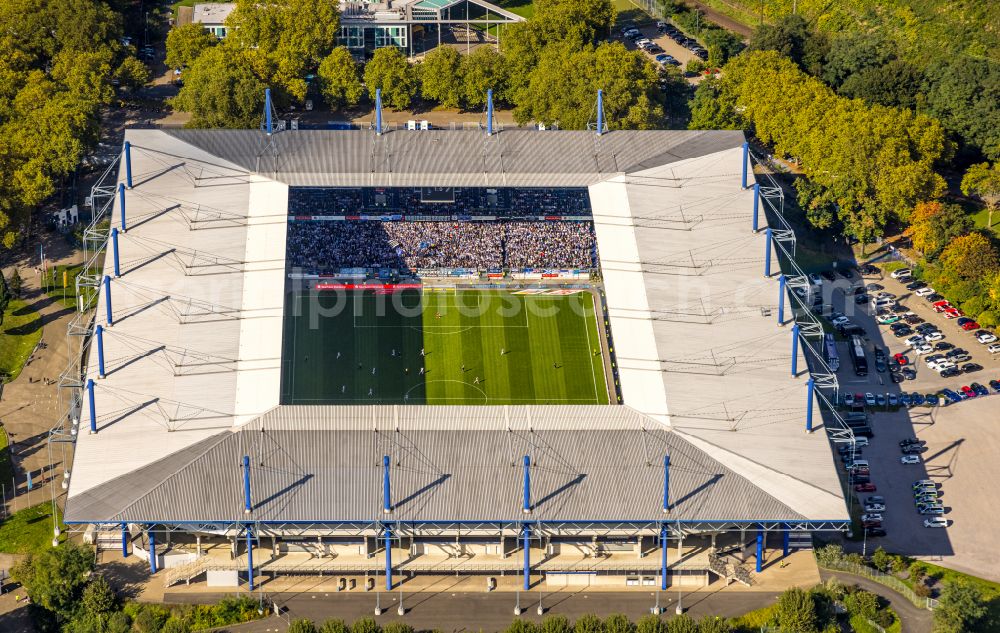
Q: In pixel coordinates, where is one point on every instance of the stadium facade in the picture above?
(184, 454)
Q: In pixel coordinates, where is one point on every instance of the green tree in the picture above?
(389, 70)
(894, 84)
(220, 90)
(964, 95)
(651, 623)
(960, 608)
(55, 578)
(795, 612)
(588, 623)
(186, 43)
(792, 37)
(334, 625)
(934, 224)
(14, 287)
(971, 257)
(574, 21)
(4, 296)
(481, 70)
(881, 559)
(441, 78)
(682, 623)
(618, 623)
(288, 37)
(722, 45)
(150, 619)
(339, 79)
(852, 53)
(555, 624)
(366, 625)
(863, 603)
(132, 74)
(302, 625)
(983, 181)
(98, 597)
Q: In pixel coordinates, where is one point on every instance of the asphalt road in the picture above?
(460, 612)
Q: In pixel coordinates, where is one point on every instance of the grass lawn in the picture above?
(991, 590)
(523, 8)
(20, 332)
(54, 284)
(981, 216)
(29, 530)
(475, 347)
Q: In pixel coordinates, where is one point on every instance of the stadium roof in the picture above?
(195, 350)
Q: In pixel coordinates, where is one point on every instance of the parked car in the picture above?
(916, 285)
(909, 459)
(893, 400)
(875, 531)
(985, 336)
(980, 390)
(870, 399)
(874, 507)
(865, 487)
(902, 272)
(943, 345)
(967, 393)
(924, 291)
(871, 516)
(995, 385)
(969, 368)
(901, 359)
(936, 522)
(994, 348)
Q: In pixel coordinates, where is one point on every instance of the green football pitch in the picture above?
(441, 347)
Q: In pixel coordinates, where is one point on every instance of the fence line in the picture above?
(887, 580)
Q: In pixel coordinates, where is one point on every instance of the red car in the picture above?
(953, 313)
(940, 309)
(970, 325)
(871, 524)
(969, 392)
(939, 304)
(901, 359)
(869, 487)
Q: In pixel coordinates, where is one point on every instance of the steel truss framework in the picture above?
(509, 529)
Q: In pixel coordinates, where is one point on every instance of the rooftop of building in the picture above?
(194, 354)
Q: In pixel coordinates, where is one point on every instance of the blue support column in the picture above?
(247, 504)
(99, 335)
(121, 205)
(386, 491)
(663, 562)
(600, 112)
(811, 387)
(785, 539)
(782, 282)
(795, 350)
(128, 164)
(152, 550)
(267, 112)
(767, 252)
(249, 558)
(526, 507)
(489, 112)
(526, 536)
(124, 540)
(114, 252)
(378, 111)
(388, 558)
(756, 205)
(666, 482)
(93, 409)
(746, 157)
(107, 301)
(760, 550)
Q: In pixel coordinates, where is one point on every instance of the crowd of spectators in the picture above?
(465, 201)
(327, 246)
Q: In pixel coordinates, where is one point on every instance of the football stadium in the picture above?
(562, 357)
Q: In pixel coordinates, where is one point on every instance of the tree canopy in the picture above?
(865, 164)
(339, 79)
(440, 76)
(55, 578)
(935, 224)
(389, 71)
(285, 39)
(186, 43)
(960, 608)
(222, 90)
(983, 181)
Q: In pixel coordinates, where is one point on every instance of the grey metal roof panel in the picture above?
(512, 157)
(324, 464)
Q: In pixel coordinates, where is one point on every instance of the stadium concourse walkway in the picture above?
(448, 603)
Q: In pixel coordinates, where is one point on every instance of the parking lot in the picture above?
(961, 440)
(669, 46)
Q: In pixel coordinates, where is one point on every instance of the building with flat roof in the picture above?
(184, 454)
(213, 17)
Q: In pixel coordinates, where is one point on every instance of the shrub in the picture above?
(922, 590)
(650, 624)
(618, 623)
(523, 626)
(829, 554)
(334, 626)
(556, 624)
(881, 560)
(397, 627)
(682, 623)
(588, 624)
(862, 603)
(366, 625)
(714, 624)
(302, 626)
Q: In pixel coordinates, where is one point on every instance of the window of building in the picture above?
(390, 36)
